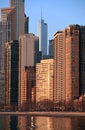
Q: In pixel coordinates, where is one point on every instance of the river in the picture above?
(41, 123)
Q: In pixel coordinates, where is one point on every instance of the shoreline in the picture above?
(62, 114)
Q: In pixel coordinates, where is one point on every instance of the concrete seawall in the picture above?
(44, 113)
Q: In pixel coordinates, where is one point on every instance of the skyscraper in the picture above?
(42, 33)
(66, 65)
(28, 56)
(7, 32)
(13, 23)
(9, 15)
(11, 72)
(81, 59)
(59, 68)
(4, 30)
(20, 19)
(16, 17)
(29, 49)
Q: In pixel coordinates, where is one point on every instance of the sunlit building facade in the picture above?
(44, 81)
(66, 65)
(28, 83)
(28, 57)
(9, 15)
(20, 19)
(16, 17)
(59, 68)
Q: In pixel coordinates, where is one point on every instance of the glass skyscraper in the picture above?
(42, 33)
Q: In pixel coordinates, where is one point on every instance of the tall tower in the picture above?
(66, 65)
(28, 56)
(42, 33)
(4, 30)
(11, 72)
(82, 60)
(20, 19)
(59, 68)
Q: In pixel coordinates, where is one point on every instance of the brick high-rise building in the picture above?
(66, 65)
(72, 62)
(59, 68)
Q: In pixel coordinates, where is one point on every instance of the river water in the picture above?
(41, 123)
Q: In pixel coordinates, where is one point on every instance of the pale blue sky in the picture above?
(58, 14)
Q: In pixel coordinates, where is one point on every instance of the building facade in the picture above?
(72, 63)
(16, 17)
(9, 15)
(59, 68)
(42, 33)
(4, 30)
(29, 50)
(20, 19)
(44, 83)
(28, 83)
(81, 59)
(28, 56)
(51, 48)
(66, 65)
(11, 73)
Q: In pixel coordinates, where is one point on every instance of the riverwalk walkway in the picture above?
(62, 114)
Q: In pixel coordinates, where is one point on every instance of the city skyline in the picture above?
(58, 15)
(61, 80)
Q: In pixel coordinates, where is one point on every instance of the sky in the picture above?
(58, 14)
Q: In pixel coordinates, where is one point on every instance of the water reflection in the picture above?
(41, 123)
(44, 123)
(26, 122)
(62, 123)
(78, 123)
(1, 122)
(13, 122)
